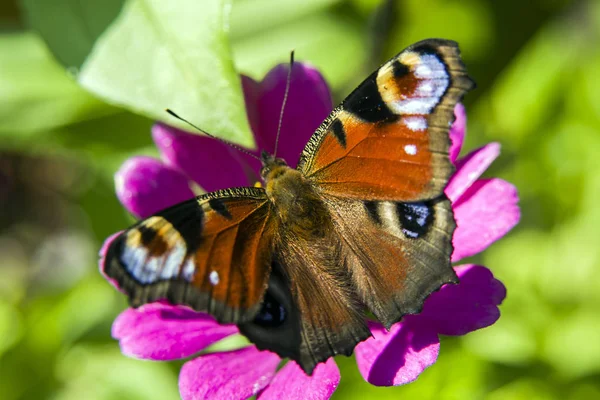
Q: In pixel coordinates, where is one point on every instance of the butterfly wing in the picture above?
(398, 253)
(323, 317)
(380, 163)
(389, 139)
(212, 253)
(388, 256)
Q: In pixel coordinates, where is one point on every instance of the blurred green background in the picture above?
(62, 62)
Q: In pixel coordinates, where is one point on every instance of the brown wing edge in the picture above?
(179, 291)
(442, 116)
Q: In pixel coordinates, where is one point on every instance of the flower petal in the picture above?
(102, 255)
(251, 90)
(470, 305)
(210, 163)
(484, 213)
(399, 356)
(458, 131)
(145, 186)
(308, 104)
(160, 331)
(292, 383)
(230, 375)
(470, 168)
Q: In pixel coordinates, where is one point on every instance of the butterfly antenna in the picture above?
(285, 96)
(172, 113)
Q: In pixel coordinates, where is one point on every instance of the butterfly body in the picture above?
(361, 224)
(294, 200)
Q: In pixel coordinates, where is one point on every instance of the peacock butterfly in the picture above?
(361, 224)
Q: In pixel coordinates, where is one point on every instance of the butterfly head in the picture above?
(271, 166)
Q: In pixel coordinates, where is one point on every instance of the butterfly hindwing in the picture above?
(323, 316)
(397, 253)
(389, 139)
(212, 253)
(387, 256)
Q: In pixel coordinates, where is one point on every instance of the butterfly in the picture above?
(361, 225)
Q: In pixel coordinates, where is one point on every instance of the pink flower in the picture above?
(485, 209)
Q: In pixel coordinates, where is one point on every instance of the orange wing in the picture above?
(389, 139)
(212, 253)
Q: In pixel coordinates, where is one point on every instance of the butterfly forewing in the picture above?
(212, 253)
(389, 138)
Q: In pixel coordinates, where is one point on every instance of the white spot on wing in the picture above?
(414, 106)
(425, 89)
(213, 277)
(411, 234)
(133, 259)
(150, 269)
(189, 268)
(410, 149)
(173, 261)
(432, 66)
(423, 70)
(415, 123)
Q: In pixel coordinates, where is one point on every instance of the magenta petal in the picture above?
(160, 331)
(484, 213)
(102, 254)
(145, 186)
(470, 305)
(399, 356)
(230, 375)
(210, 163)
(308, 104)
(251, 90)
(458, 131)
(470, 168)
(292, 383)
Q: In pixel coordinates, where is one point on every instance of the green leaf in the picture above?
(11, 326)
(64, 320)
(526, 389)
(103, 143)
(176, 55)
(248, 16)
(103, 371)
(35, 92)
(526, 93)
(572, 345)
(71, 27)
(471, 24)
(322, 39)
(456, 375)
